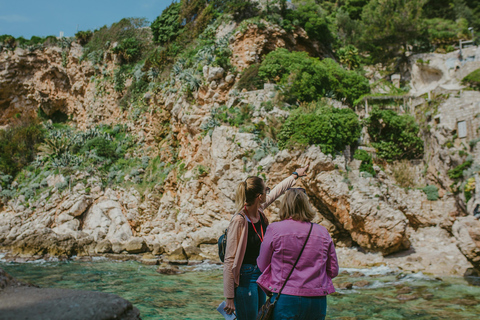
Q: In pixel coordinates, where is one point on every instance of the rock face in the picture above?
(20, 302)
(372, 219)
(467, 232)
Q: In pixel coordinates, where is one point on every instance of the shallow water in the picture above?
(196, 293)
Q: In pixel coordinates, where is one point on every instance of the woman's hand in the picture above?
(230, 306)
(302, 172)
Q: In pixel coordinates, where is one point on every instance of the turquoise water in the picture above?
(196, 293)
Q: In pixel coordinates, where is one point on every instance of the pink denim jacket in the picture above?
(314, 271)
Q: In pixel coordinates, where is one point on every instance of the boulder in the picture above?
(193, 253)
(149, 259)
(467, 232)
(79, 206)
(177, 255)
(46, 303)
(136, 245)
(104, 246)
(213, 73)
(168, 269)
(369, 221)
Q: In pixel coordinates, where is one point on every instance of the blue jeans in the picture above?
(249, 297)
(301, 308)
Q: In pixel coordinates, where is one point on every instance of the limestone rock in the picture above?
(136, 245)
(104, 246)
(80, 206)
(168, 269)
(177, 255)
(47, 303)
(467, 232)
(193, 253)
(213, 73)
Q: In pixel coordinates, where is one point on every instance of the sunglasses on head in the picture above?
(299, 189)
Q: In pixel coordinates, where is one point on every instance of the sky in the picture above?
(43, 18)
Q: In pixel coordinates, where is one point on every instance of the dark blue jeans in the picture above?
(299, 308)
(249, 297)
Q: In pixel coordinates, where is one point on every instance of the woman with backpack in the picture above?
(298, 261)
(245, 235)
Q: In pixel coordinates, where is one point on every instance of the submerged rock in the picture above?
(168, 269)
(22, 301)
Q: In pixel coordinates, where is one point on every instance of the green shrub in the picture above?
(8, 40)
(249, 79)
(18, 145)
(127, 28)
(330, 128)
(309, 79)
(128, 50)
(395, 136)
(367, 163)
(457, 172)
(432, 192)
(472, 80)
(348, 56)
(103, 147)
(166, 27)
(311, 17)
(83, 36)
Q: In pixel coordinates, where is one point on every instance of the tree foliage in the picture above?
(83, 37)
(330, 128)
(314, 19)
(395, 136)
(18, 145)
(308, 79)
(390, 25)
(167, 26)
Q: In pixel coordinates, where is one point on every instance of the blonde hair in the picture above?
(247, 191)
(295, 205)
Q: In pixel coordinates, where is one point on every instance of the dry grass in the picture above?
(404, 173)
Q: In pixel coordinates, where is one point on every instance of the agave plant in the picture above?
(54, 146)
(190, 79)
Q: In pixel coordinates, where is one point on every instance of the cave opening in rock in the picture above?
(56, 117)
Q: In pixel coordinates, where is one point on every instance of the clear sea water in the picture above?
(196, 293)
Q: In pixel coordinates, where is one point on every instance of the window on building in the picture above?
(462, 129)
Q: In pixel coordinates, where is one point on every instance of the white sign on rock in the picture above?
(462, 129)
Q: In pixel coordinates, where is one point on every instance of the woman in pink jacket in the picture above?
(245, 234)
(305, 293)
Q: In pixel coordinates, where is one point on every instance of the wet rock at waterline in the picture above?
(20, 301)
(168, 269)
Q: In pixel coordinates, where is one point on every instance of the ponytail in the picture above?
(240, 197)
(247, 191)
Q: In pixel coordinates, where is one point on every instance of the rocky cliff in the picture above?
(372, 219)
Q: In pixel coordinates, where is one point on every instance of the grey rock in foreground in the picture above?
(19, 302)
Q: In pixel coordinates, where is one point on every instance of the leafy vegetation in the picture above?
(18, 145)
(132, 38)
(432, 192)
(472, 80)
(330, 128)
(395, 136)
(309, 79)
(33, 43)
(367, 164)
(250, 79)
(457, 172)
(167, 25)
(83, 36)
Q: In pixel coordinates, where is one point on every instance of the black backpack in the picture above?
(222, 241)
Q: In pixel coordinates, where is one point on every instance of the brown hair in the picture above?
(247, 191)
(295, 205)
